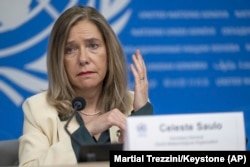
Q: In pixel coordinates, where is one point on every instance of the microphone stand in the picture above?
(78, 103)
(84, 158)
(66, 127)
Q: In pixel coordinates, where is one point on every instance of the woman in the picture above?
(84, 59)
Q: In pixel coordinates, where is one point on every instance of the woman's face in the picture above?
(85, 57)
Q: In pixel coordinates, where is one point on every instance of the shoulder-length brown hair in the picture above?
(60, 92)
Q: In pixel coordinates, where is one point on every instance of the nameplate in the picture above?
(206, 131)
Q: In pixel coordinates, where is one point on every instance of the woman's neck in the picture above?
(91, 97)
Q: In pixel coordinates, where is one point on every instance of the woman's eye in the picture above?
(93, 45)
(70, 50)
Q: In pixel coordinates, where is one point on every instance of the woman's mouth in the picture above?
(85, 73)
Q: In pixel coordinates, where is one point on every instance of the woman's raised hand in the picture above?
(139, 71)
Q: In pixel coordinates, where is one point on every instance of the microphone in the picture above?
(78, 103)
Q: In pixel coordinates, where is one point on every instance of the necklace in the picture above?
(87, 114)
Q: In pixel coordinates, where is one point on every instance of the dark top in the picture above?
(83, 136)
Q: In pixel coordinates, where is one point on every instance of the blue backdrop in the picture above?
(197, 52)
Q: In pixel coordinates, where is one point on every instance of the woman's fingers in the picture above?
(138, 67)
(103, 122)
(116, 118)
(139, 71)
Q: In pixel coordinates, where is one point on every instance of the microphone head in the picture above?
(78, 103)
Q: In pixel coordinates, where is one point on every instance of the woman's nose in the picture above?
(83, 57)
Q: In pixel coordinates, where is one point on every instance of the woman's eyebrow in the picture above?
(87, 40)
(92, 40)
(69, 43)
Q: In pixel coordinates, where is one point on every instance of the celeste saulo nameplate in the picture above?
(205, 131)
